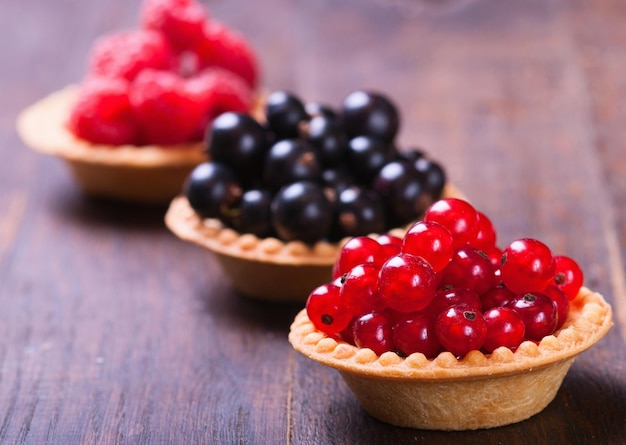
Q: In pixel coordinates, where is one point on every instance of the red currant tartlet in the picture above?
(134, 127)
(434, 337)
(281, 194)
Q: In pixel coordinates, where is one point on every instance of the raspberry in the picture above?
(218, 91)
(167, 113)
(125, 54)
(102, 113)
(181, 21)
(224, 47)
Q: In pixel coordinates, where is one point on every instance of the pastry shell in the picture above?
(266, 269)
(477, 391)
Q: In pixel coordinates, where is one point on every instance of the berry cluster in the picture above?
(445, 286)
(163, 82)
(312, 172)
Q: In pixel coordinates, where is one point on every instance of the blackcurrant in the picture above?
(212, 190)
(329, 138)
(359, 212)
(432, 175)
(371, 114)
(301, 211)
(284, 112)
(288, 161)
(253, 215)
(366, 156)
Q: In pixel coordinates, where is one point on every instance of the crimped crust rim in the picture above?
(589, 320)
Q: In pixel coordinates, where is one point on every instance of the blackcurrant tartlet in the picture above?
(133, 128)
(447, 331)
(280, 195)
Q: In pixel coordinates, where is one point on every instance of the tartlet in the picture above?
(266, 269)
(478, 391)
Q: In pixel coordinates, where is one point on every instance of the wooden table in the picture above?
(114, 331)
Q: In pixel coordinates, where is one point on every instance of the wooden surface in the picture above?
(114, 331)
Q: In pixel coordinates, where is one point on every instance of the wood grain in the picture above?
(114, 331)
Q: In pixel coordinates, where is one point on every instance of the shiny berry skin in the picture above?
(469, 268)
(431, 241)
(432, 175)
(359, 250)
(284, 112)
(359, 290)
(212, 190)
(359, 210)
(415, 332)
(448, 297)
(495, 297)
(504, 328)
(562, 303)
(328, 137)
(461, 329)
(568, 276)
(374, 331)
(238, 141)
(370, 113)
(301, 211)
(366, 156)
(253, 214)
(486, 236)
(538, 313)
(392, 244)
(527, 266)
(407, 283)
(458, 216)
(290, 160)
(326, 311)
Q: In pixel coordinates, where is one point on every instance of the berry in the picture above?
(221, 46)
(392, 244)
(461, 329)
(359, 250)
(359, 211)
(338, 178)
(285, 113)
(318, 109)
(366, 156)
(469, 268)
(166, 112)
(290, 160)
(568, 276)
(452, 296)
(458, 216)
(102, 113)
(431, 241)
(126, 54)
(181, 21)
(561, 301)
(527, 266)
(373, 331)
(486, 237)
(253, 214)
(495, 297)
(325, 309)
(415, 332)
(359, 291)
(301, 211)
(538, 313)
(407, 283)
(238, 141)
(504, 328)
(370, 114)
(432, 175)
(212, 190)
(329, 138)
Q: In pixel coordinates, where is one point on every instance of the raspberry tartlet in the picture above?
(282, 194)
(452, 341)
(133, 128)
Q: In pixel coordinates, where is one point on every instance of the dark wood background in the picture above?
(114, 331)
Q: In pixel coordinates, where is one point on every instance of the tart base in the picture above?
(477, 391)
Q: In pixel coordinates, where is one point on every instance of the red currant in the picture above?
(562, 303)
(359, 291)
(453, 296)
(469, 268)
(431, 241)
(326, 311)
(359, 250)
(527, 266)
(392, 244)
(373, 331)
(407, 283)
(458, 216)
(486, 237)
(415, 332)
(461, 329)
(568, 276)
(495, 297)
(538, 313)
(505, 327)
